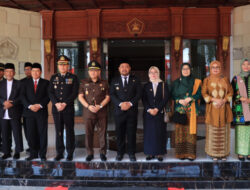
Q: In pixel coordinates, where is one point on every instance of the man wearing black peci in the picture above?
(27, 72)
(63, 90)
(35, 99)
(10, 112)
(1, 78)
(125, 92)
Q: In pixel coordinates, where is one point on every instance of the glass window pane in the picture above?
(199, 53)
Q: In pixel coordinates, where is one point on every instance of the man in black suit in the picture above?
(63, 90)
(1, 78)
(125, 92)
(27, 71)
(10, 112)
(35, 99)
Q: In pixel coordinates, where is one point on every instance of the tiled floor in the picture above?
(80, 153)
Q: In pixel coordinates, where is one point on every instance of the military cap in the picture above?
(9, 66)
(27, 64)
(94, 65)
(1, 66)
(63, 60)
(37, 65)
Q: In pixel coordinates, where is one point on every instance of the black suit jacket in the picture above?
(29, 96)
(15, 111)
(132, 93)
(158, 101)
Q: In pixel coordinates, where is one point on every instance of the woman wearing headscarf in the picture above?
(154, 98)
(217, 93)
(241, 110)
(186, 91)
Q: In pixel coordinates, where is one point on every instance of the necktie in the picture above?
(125, 81)
(35, 85)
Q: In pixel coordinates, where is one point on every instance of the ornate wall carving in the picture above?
(8, 49)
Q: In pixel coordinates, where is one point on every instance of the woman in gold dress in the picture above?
(217, 93)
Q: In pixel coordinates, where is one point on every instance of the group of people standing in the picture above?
(29, 99)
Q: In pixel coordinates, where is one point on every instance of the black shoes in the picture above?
(149, 157)
(89, 158)
(16, 156)
(69, 157)
(58, 157)
(5, 156)
(31, 158)
(43, 158)
(132, 158)
(119, 157)
(160, 158)
(103, 157)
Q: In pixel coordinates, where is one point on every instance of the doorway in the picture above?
(141, 54)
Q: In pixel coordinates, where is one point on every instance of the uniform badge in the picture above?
(133, 80)
(55, 87)
(87, 84)
(87, 92)
(102, 89)
(117, 88)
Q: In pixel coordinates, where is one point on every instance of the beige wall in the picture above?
(241, 36)
(20, 37)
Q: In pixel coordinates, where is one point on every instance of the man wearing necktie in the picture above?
(35, 99)
(125, 92)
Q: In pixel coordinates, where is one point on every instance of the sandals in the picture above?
(215, 159)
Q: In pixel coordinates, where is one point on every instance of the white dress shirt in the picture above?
(37, 80)
(123, 79)
(9, 88)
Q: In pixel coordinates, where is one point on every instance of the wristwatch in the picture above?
(101, 106)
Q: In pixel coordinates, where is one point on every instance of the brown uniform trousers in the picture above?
(94, 93)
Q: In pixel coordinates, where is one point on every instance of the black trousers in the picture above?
(126, 125)
(37, 133)
(64, 120)
(14, 126)
(25, 130)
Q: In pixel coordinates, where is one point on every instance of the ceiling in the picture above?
(38, 5)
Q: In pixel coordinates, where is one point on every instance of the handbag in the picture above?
(179, 118)
(166, 117)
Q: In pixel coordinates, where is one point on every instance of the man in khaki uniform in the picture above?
(94, 96)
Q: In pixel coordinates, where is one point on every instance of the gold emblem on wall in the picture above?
(135, 26)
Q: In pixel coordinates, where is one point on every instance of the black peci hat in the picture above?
(27, 64)
(37, 65)
(9, 66)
